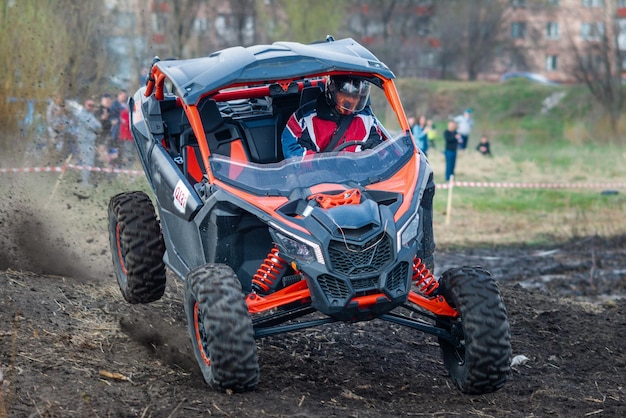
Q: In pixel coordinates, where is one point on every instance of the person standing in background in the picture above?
(103, 143)
(452, 138)
(465, 123)
(87, 128)
(127, 148)
(420, 133)
(114, 114)
(60, 127)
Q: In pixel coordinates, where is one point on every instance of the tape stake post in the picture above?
(449, 206)
(56, 186)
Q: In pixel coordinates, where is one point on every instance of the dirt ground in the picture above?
(70, 346)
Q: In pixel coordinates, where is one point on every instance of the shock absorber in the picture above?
(269, 274)
(423, 278)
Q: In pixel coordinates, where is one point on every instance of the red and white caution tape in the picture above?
(507, 185)
(103, 170)
(68, 166)
(32, 170)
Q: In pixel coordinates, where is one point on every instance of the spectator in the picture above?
(114, 114)
(339, 116)
(420, 134)
(127, 148)
(465, 123)
(412, 122)
(452, 138)
(432, 134)
(483, 146)
(103, 143)
(87, 129)
(60, 129)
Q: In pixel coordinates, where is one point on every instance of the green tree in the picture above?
(34, 56)
(306, 21)
(48, 48)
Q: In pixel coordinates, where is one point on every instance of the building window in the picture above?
(159, 22)
(621, 37)
(518, 3)
(621, 4)
(552, 30)
(551, 63)
(200, 24)
(591, 31)
(518, 30)
(553, 2)
(592, 3)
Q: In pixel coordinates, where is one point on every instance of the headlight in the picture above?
(300, 249)
(409, 231)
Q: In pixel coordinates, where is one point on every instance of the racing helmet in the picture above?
(347, 94)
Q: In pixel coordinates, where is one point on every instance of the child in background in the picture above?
(483, 146)
(432, 133)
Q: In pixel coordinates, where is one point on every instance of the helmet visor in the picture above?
(351, 95)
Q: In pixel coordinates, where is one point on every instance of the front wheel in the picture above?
(220, 328)
(137, 247)
(480, 363)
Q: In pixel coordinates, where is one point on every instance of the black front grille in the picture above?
(397, 278)
(333, 287)
(354, 259)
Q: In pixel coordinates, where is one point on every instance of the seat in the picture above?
(309, 93)
(222, 138)
(260, 134)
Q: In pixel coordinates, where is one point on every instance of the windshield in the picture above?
(362, 168)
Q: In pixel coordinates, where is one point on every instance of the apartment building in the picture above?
(552, 32)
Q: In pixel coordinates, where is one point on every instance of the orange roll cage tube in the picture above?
(394, 98)
(196, 124)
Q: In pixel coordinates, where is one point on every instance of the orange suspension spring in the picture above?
(272, 270)
(423, 278)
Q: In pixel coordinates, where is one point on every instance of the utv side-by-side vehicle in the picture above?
(267, 245)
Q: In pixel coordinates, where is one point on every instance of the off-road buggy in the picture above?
(267, 245)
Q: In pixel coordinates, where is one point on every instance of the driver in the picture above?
(340, 115)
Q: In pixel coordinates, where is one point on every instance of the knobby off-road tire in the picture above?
(221, 328)
(482, 363)
(137, 247)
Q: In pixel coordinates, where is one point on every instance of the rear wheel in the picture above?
(137, 247)
(221, 328)
(481, 361)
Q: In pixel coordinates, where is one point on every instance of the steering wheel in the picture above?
(349, 144)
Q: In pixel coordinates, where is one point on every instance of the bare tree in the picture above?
(86, 66)
(244, 20)
(473, 33)
(180, 24)
(599, 60)
(393, 30)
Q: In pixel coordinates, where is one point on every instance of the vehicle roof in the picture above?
(193, 78)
